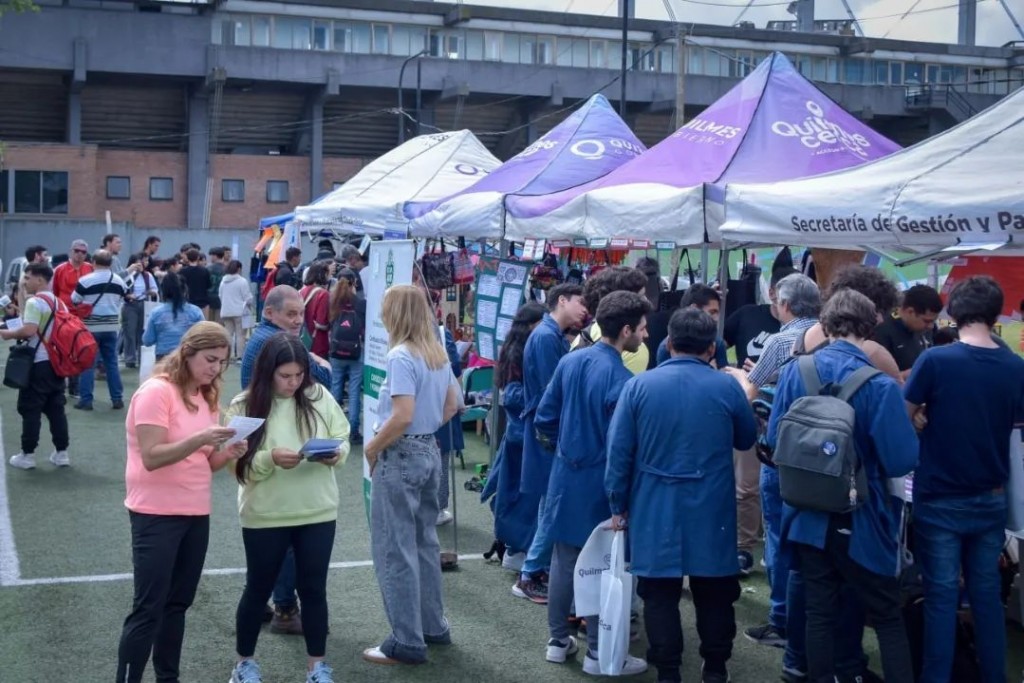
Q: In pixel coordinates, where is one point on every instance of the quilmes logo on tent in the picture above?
(818, 133)
(590, 148)
(705, 131)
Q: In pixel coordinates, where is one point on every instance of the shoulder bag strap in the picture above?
(809, 374)
(855, 381)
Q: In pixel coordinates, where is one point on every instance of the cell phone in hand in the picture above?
(321, 449)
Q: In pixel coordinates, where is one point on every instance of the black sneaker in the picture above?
(714, 676)
(746, 561)
(117, 405)
(355, 438)
(83, 406)
(766, 634)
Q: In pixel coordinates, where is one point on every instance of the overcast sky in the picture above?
(938, 25)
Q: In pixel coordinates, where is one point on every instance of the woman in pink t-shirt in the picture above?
(174, 447)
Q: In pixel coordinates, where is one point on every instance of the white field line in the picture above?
(227, 571)
(10, 574)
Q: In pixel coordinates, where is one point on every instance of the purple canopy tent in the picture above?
(590, 143)
(773, 125)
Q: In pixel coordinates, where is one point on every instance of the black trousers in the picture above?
(168, 553)
(713, 599)
(44, 396)
(825, 573)
(265, 550)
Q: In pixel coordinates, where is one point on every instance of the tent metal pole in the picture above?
(705, 252)
(723, 283)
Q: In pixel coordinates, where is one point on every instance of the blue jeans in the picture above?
(952, 533)
(350, 373)
(538, 559)
(775, 567)
(284, 589)
(107, 342)
(850, 660)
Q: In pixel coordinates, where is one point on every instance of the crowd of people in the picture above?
(618, 407)
(678, 452)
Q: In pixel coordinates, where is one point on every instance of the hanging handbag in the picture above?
(437, 268)
(670, 300)
(743, 290)
(18, 370)
(462, 268)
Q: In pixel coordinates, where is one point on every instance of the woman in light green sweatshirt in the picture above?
(287, 499)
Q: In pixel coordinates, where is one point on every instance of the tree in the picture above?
(17, 6)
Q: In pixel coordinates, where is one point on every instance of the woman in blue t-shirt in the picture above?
(171, 319)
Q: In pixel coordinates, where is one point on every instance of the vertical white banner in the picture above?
(390, 263)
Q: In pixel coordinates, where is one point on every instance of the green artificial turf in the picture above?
(70, 525)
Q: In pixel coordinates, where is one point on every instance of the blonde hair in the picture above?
(202, 336)
(407, 318)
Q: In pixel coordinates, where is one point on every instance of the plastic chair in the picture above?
(475, 380)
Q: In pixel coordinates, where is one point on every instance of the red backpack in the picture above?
(71, 347)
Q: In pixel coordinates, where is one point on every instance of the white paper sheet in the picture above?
(489, 286)
(510, 299)
(486, 313)
(504, 325)
(14, 324)
(486, 343)
(243, 426)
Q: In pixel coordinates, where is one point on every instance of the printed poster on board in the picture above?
(390, 263)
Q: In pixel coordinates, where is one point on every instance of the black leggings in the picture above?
(264, 552)
(168, 553)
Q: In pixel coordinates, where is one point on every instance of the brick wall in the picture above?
(79, 162)
(89, 168)
(139, 167)
(256, 171)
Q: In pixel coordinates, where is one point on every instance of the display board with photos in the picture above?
(500, 284)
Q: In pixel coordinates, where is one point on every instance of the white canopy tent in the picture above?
(960, 191)
(426, 168)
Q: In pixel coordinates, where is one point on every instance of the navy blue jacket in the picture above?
(544, 348)
(575, 412)
(670, 467)
(886, 444)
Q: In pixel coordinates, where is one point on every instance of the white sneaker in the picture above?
(23, 461)
(558, 652)
(632, 666)
(60, 459)
(514, 562)
(444, 517)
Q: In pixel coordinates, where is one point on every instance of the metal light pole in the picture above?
(401, 105)
(625, 52)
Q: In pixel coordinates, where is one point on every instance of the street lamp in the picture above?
(401, 109)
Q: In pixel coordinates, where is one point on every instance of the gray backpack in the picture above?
(815, 453)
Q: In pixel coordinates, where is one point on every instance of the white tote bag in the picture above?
(616, 599)
(1015, 487)
(146, 362)
(593, 560)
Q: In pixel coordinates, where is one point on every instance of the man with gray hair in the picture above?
(65, 280)
(353, 258)
(798, 302)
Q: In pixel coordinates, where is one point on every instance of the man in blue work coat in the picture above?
(545, 347)
(858, 549)
(670, 473)
(573, 416)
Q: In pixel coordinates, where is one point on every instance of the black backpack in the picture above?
(347, 334)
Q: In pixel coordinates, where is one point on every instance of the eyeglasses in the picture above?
(81, 251)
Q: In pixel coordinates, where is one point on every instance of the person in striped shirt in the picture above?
(100, 296)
